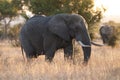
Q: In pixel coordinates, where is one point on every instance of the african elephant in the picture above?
(106, 32)
(44, 35)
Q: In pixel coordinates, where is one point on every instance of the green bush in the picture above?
(13, 34)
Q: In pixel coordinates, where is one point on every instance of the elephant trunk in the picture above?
(86, 50)
(87, 53)
(85, 42)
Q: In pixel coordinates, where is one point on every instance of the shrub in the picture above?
(13, 34)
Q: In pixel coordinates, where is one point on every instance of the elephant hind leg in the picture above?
(30, 52)
(28, 48)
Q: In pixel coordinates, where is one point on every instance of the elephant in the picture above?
(44, 35)
(107, 33)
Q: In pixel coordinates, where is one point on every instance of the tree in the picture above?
(51, 7)
(8, 10)
(13, 34)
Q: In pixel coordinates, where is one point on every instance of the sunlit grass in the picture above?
(103, 65)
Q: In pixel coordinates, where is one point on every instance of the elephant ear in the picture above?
(59, 28)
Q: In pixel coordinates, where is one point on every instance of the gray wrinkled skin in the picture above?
(45, 35)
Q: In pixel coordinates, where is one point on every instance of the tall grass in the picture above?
(103, 65)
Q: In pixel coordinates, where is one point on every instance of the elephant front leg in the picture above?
(68, 52)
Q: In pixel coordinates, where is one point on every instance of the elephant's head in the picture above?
(106, 32)
(69, 26)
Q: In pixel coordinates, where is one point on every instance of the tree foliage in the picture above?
(51, 7)
(8, 10)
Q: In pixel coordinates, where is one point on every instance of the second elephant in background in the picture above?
(107, 33)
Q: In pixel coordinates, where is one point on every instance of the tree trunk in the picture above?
(6, 25)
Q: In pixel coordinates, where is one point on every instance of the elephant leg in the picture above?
(28, 48)
(50, 54)
(30, 52)
(68, 52)
(49, 48)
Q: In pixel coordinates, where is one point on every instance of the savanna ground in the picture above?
(103, 65)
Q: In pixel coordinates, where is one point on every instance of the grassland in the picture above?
(103, 65)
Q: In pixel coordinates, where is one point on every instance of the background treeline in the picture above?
(10, 9)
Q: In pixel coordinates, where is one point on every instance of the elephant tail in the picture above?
(22, 53)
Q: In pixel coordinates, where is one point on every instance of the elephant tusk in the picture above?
(97, 44)
(83, 45)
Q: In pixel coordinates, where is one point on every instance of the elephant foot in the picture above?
(48, 59)
(67, 57)
(85, 63)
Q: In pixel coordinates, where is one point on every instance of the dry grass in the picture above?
(103, 65)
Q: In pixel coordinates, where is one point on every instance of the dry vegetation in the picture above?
(103, 65)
